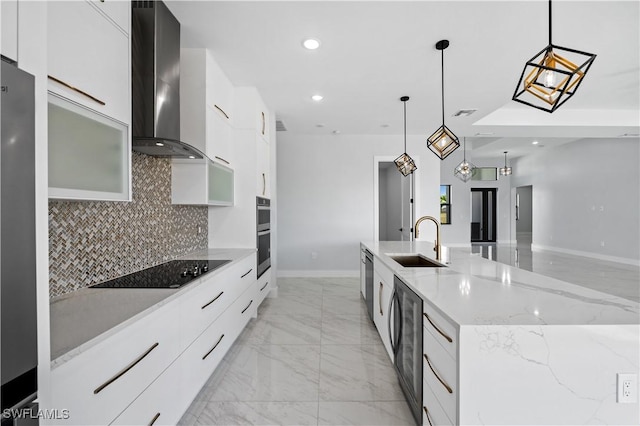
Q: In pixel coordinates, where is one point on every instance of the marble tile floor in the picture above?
(312, 357)
(613, 278)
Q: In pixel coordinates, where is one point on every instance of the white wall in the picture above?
(525, 209)
(326, 197)
(458, 233)
(585, 193)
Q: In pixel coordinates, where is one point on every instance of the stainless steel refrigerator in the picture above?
(19, 347)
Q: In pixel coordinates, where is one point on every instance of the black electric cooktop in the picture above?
(173, 274)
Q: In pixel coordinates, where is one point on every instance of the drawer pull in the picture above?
(221, 110)
(264, 286)
(127, 368)
(243, 311)
(264, 184)
(438, 377)
(153, 420)
(247, 273)
(222, 159)
(214, 299)
(75, 89)
(427, 416)
(212, 349)
(380, 298)
(263, 122)
(437, 329)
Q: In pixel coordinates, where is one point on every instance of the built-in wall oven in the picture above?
(263, 230)
(406, 342)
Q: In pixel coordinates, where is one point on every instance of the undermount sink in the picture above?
(415, 261)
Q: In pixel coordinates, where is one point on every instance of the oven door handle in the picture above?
(264, 207)
(261, 233)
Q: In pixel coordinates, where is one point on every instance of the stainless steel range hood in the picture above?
(155, 91)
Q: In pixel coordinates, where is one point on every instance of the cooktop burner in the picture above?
(173, 274)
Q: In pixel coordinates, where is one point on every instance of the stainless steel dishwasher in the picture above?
(368, 294)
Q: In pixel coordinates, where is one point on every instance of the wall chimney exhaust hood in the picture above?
(155, 88)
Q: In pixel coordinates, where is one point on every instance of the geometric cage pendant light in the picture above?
(552, 76)
(464, 171)
(443, 141)
(505, 171)
(404, 163)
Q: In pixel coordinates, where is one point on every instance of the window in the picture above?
(485, 173)
(445, 204)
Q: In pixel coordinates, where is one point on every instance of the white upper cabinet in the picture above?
(263, 175)
(251, 112)
(116, 12)
(206, 105)
(201, 182)
(9, 12)
(89, 55)
(89, 72)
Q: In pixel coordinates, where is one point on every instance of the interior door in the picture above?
(395, 198)
(483, 215)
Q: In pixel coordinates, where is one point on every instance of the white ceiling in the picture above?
(373, 52)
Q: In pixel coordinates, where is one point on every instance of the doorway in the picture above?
(483, 215)
(395, 208)
(524, 215)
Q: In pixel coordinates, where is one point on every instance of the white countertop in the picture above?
(85, 317)
(472, 290)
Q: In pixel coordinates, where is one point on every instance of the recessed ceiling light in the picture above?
(336, 132)
(535, 143)
(311, 44)
(317, 98)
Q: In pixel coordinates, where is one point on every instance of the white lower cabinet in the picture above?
(382, 293)
(440, 367)
(157, 404)
(264, 285)
(150, 371)
(97, 385)
(432, 412)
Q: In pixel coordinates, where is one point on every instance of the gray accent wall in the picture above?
(326, 197)
(585, 194)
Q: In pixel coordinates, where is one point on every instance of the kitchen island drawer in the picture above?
(441, 329)
(432, 412)
(99, 383)
(439, 371)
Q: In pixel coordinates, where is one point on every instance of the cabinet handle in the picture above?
(127, 368)
(437, 329)
(264, 184)
(153, 420)
(221, 110)
(426, 414)
(222, 159)
(263, 122)
(243, 311)
(438, 377)
(214, 346)
(247, 273)
(380, 298)
(75, 89)
(213, 300)
(264, 286)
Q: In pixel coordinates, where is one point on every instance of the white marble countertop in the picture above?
(83, 318)
(472, 290)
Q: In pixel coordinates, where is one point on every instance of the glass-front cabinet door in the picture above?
(89, 154)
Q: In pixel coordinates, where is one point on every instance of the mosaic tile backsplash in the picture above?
(91, 242)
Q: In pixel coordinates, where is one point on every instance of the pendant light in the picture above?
(443, 142)
(464, 171)
(552, 76)
(404, 163)
(505, 171)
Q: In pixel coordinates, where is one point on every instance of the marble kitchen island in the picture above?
(528, 349)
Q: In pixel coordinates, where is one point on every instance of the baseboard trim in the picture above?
(319, 273)
(624, 260)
